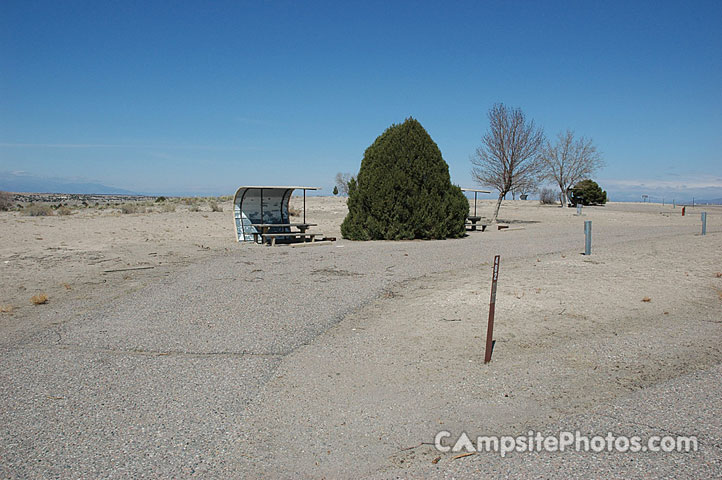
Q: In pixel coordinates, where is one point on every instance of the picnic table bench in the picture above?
(472, 223)
(265, 228)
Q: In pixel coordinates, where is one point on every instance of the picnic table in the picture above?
(265, 229)
(473, 220)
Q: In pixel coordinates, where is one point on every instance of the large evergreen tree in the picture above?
(403, 190)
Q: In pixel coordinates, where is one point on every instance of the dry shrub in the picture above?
(64, 211)
(547, 196)
(37, 210)
(6, 201)
(718, 274)
(6, 309)
(214, 206)
(168, 207)
(39, 299)
(294, 212)
(646, 299)
(194, 208)
(132, 208)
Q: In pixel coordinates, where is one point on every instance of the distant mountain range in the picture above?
(22, 182)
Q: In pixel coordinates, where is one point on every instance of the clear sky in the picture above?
(200, 97)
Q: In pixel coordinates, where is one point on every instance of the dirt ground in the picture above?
(368, 393)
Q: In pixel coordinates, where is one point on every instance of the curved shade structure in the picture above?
(263, 205)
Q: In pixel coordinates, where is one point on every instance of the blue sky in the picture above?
(200, 97)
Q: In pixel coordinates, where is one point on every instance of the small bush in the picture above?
(547, 196)
(37, 210)
(214, 206)
(132, 208)
(6, 201)
(588, 192)
(168, 207)
(194, 208)
(39, 299)
(160, 199)
(64, 211)
(294, 212)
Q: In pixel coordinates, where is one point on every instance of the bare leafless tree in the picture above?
(568, 161)
(342, 180)
(508, 156)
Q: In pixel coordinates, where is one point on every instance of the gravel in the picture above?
(153, 384)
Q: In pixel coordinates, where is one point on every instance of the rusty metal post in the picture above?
(492, 302)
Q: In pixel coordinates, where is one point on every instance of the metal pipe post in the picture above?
(704, 223)
(587, 237)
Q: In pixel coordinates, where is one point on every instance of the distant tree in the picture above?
(547, 196)
(342, 182)
(508, 156)
(569, 161)
(588, 192)
(335, 190)
(404, 190)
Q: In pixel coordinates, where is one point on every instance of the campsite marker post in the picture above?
(492, 302)
(704, 223)
(587, 237)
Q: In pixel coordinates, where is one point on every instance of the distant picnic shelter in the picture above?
(475, 218)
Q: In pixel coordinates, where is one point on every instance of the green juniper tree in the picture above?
(403, 190)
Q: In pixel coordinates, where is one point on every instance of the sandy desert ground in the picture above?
(345, 359)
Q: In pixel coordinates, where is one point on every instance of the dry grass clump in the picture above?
(6, 309)
(64, 210)
(168, 207)
(132, 208)
(214, 206)
(6, 201)
(194, 208)
(294, 212)
(39, 299)
(37, 210)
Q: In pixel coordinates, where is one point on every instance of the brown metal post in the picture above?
(492, 302)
